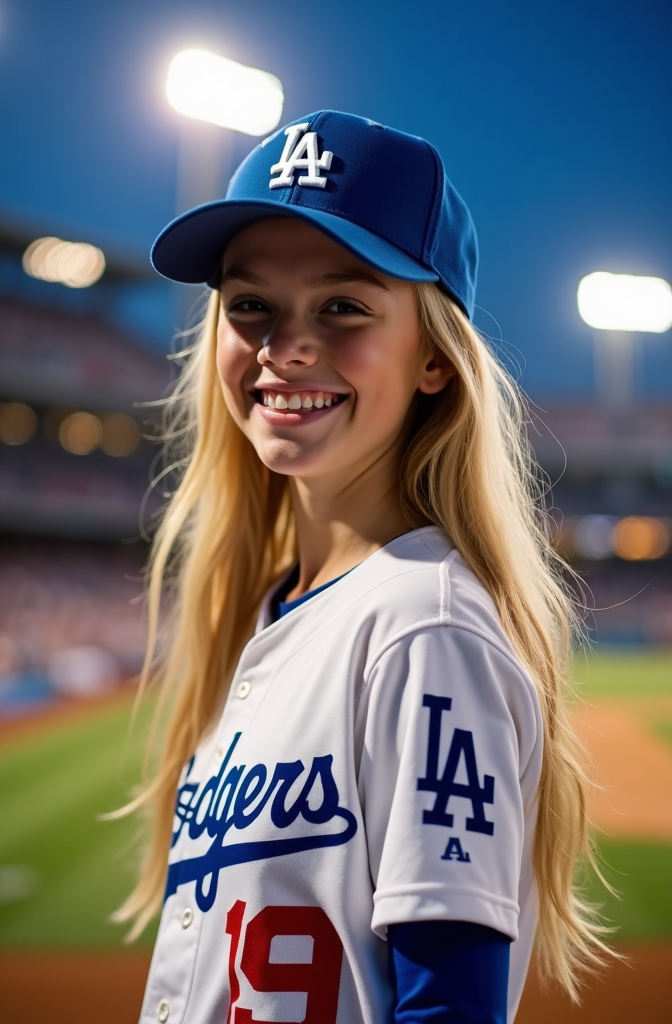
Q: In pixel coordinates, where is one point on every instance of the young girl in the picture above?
(379, 805)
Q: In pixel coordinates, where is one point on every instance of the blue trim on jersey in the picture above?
(448, 972)
(280, 608)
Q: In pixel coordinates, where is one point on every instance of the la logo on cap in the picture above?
(300, 153)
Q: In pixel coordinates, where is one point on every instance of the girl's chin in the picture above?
(288, 458)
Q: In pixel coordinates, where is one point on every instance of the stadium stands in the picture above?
(76, 460)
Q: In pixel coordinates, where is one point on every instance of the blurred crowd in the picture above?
(627, 605)
(71, 619)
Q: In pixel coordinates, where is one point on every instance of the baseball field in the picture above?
(62, 870)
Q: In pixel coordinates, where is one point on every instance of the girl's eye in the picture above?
(343, 306)
(247, 306)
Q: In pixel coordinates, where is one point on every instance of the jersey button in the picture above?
(163, 1011)
(243, 689)
(187, 917)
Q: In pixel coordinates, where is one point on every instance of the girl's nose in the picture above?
(288, 343)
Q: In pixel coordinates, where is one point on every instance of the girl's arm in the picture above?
(445, 972)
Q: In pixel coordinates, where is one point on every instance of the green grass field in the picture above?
(53, 788)
(62, 871)
(623, 674)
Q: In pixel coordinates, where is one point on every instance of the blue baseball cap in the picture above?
(380, 193)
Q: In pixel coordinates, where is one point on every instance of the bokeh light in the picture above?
(593, 536)
(80, 433)
(74, 264)
(625, 302)
(640, 538)
(121, 435)
(211, 88)
(18, 423)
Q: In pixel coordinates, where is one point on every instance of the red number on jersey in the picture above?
(319, 979)
(234, 923)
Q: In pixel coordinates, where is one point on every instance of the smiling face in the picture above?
(318, 354)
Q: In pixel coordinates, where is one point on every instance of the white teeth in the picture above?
(294, 402)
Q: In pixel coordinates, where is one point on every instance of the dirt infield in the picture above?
(61, 988)
(71, 988)
(632, 766)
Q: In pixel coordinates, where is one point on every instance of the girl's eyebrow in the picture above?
(320, 281)
(240, 274)
(353, 277)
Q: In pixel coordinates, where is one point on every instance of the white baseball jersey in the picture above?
(376, 762)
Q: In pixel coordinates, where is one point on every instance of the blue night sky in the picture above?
(553, 120)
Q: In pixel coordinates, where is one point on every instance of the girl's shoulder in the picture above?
(420, 580)
(436, 629)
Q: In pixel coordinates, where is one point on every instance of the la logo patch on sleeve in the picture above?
(445, 786)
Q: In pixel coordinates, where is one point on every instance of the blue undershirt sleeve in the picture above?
(448, 972)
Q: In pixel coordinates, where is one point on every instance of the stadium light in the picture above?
(625, 302)
(617, 306)
(74, 264)
(211, 88)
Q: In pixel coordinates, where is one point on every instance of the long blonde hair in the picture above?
(228, 533)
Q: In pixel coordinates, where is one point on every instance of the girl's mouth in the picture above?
(297, 401)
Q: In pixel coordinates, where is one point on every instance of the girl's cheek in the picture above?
(234, 357)
(379, 365)
(359, 359)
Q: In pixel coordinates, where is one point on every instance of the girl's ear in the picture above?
(435, 373)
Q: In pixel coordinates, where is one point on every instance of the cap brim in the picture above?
(190, 248)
